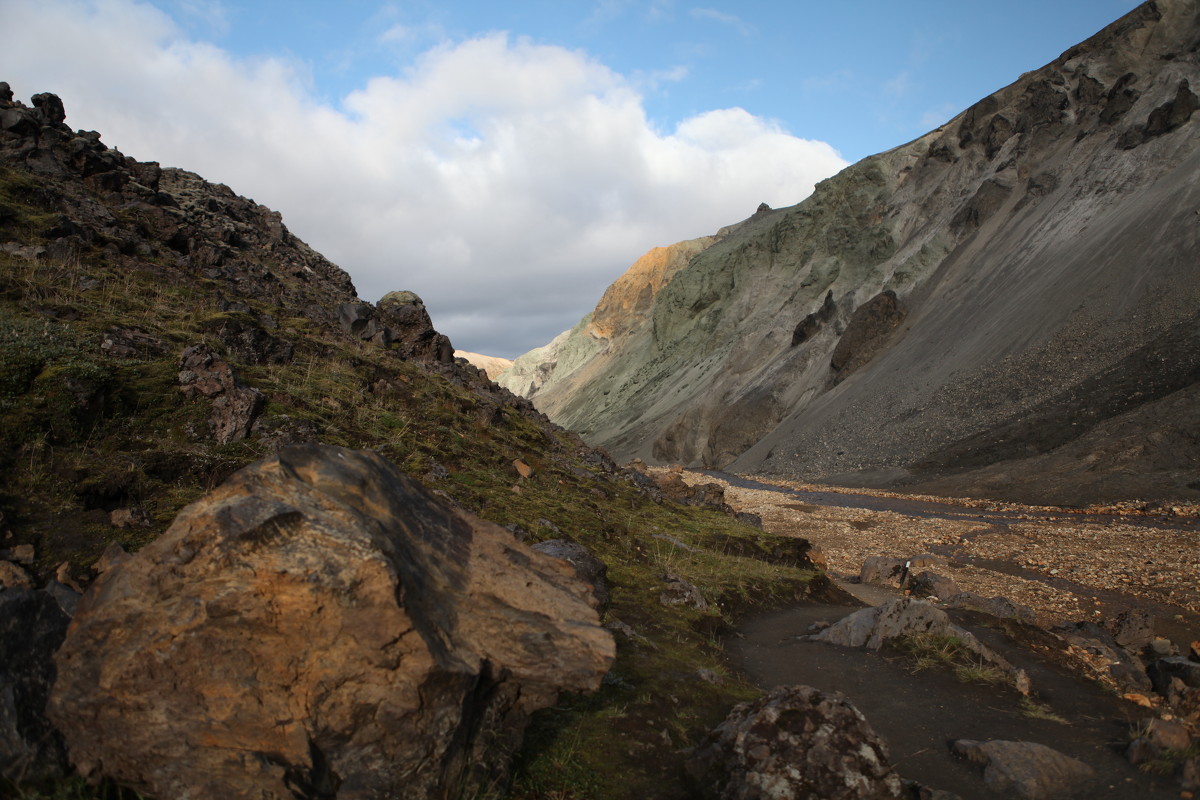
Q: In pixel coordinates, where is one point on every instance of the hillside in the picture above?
(158, 333)
(1004, 307)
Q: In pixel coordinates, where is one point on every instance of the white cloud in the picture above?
(505, 182)
(733, 21)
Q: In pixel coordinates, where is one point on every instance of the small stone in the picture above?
(708, 676)
(63, 576)
(523, 469)
(128, 518)
(13, 577)
(22, 554)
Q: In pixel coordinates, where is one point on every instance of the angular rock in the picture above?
(681, 593)
(1164, 669)
(930, 584)
(881, 570)
(234, 405)
(1160, 736)
(1000, 607)
(414, 335)
(795, 742)
(1026, 769)
(1131, 628)
(874, 627)
(13, 576)
(588, 568)
(674, 487)
(32, 626)
(321, 624)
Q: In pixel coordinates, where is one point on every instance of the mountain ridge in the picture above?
(1029, 246)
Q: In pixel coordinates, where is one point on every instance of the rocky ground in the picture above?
(1065, 566)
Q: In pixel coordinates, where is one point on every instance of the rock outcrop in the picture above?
(1005, 306)
(796, 741)
(1027, 770)
(321, 625)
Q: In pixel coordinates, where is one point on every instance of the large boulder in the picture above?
(321, 624)
(874, 627)
(1026, 769)
(795, 742)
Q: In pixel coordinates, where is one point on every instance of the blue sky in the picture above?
(509, 160)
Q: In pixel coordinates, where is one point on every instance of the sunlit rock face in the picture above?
(321, 624)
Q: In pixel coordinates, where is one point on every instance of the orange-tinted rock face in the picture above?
(321, 624)
(631, 297)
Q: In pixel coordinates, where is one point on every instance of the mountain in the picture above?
(491, 365)
(160, 333)
(1006, 306)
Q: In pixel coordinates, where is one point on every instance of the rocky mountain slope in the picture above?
(1006, 306)
(158, 334)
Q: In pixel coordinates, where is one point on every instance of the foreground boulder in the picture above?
(321, 625)
(795, 742)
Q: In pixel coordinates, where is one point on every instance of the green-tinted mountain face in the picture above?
(1006, 305)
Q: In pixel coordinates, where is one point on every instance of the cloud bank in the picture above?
(506, 182)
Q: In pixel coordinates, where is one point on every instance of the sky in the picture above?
(508, 160)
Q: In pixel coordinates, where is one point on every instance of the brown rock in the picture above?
(113, 555)
(523, 469)
(321, 623)
(12, 576)
(234, 405)
(1026, 769)
(128, 518)
(794, 742)
(63, 576)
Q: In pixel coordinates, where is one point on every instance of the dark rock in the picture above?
(66, 596)
(245, 339)
(1174, 113)
(930, 584)
(796, 741)
(414, 335)
(1123, 668)
(808, 327)
(1026, 769)
(6, 93)
(866, 331)
(234, 405)
(321, 620)
(1164, 669)
(1121, 97)
(1160, 736)
(587, 567)
(881, 570)
(32, 626)
(50, 108)
(1132, 628)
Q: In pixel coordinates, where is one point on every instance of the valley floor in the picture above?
(1065, 565)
